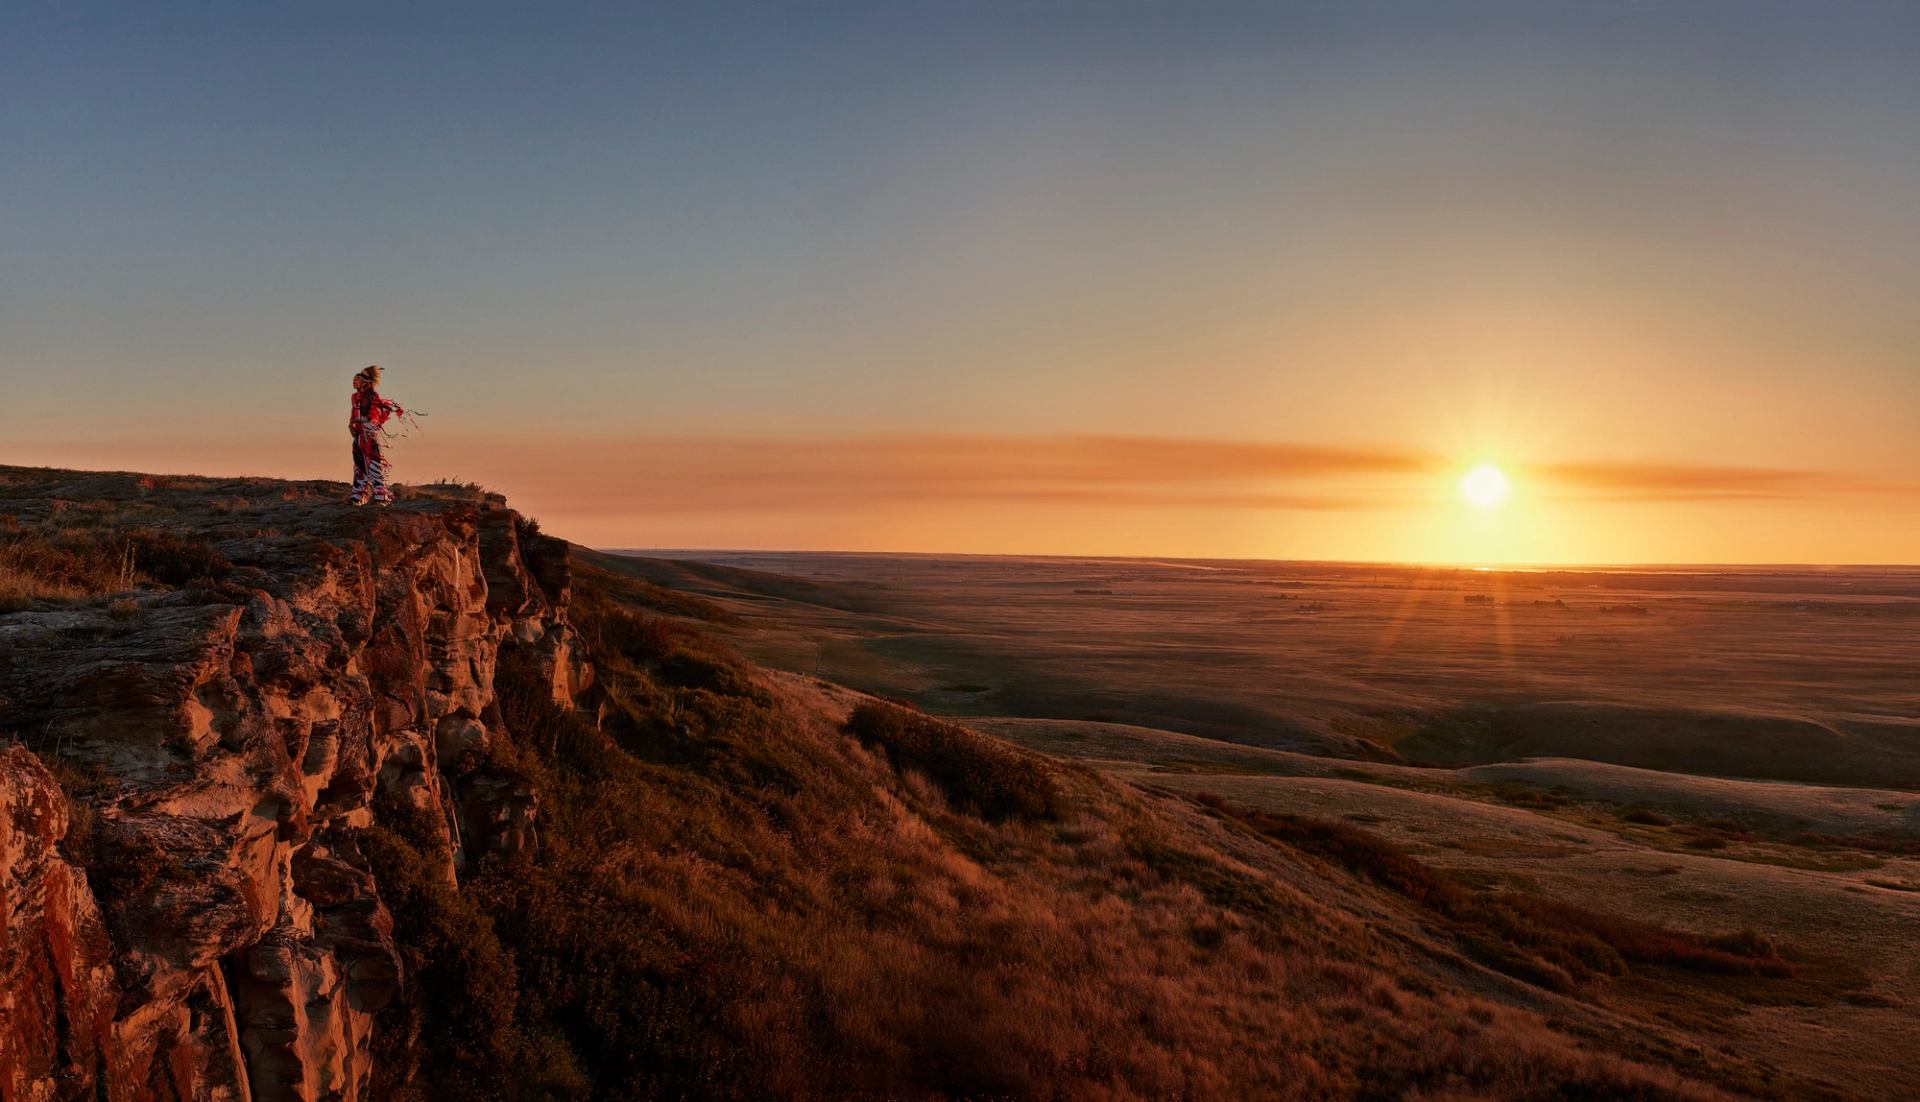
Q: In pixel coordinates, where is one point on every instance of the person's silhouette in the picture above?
(366, 419)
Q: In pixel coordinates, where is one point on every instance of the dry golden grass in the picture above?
(20, 587)
(67, 549)
(736, 898)
(1185, 650)
(36, 565)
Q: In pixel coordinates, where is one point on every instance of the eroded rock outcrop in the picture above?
(222, 937)
(56, 987)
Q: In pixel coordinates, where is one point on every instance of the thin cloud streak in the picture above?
(690, 475)
(695, 476)
(685, 475)
(1641, 481)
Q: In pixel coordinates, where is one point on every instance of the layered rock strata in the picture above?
(184, 911)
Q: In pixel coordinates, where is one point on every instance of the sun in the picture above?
(1484, 486)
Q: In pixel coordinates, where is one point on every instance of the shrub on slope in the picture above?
(976, 772)
(1543, 940)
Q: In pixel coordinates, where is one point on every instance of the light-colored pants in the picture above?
(370, 465)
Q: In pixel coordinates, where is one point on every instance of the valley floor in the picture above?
(1704, 750)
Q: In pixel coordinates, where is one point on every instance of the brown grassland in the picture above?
(760, 885)
(1698, 822)
(950, 829)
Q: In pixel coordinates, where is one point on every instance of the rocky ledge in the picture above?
(184, 911)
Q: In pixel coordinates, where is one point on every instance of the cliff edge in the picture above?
(203, 924)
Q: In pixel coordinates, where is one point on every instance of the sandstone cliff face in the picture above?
(200, 924)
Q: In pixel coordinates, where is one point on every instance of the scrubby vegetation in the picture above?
(77, 557)
(742, 893)
(35, 564)
(460, 981)
(1533, 937)
(976, 772)
(605, 591)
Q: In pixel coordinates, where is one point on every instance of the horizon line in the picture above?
(664, 552)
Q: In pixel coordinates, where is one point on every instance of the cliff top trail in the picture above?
(299, 801)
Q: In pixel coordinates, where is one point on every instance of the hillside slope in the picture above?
(304, 802)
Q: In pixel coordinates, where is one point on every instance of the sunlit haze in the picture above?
(1203, 280)
(1485, 486)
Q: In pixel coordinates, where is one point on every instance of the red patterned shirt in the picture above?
(368, 409)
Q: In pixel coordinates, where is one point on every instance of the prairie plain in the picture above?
(1703, 748)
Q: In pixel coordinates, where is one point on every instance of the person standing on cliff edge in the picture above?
(366, 419)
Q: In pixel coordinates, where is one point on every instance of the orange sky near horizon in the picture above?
(1107, 495)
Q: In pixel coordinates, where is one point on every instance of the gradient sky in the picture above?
(1129, 278)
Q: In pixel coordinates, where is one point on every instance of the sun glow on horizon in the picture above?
(1485, 486)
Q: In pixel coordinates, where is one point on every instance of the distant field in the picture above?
(1705, 749)
(1786, 674)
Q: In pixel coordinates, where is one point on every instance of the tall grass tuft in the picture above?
(1533, 937)
(976, 772)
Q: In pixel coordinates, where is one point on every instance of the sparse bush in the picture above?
(39, 564)
(640, 639)
(1529, 798)
(1746, 943)
(600, 591)
(1530, 936)
(170, 559)
(1743, 954)
(460, 988)
(975, 771)
(1350, 847)
(70, 562)
(1907, 846)
(449, 489)
(19, 589)
(82, 785)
